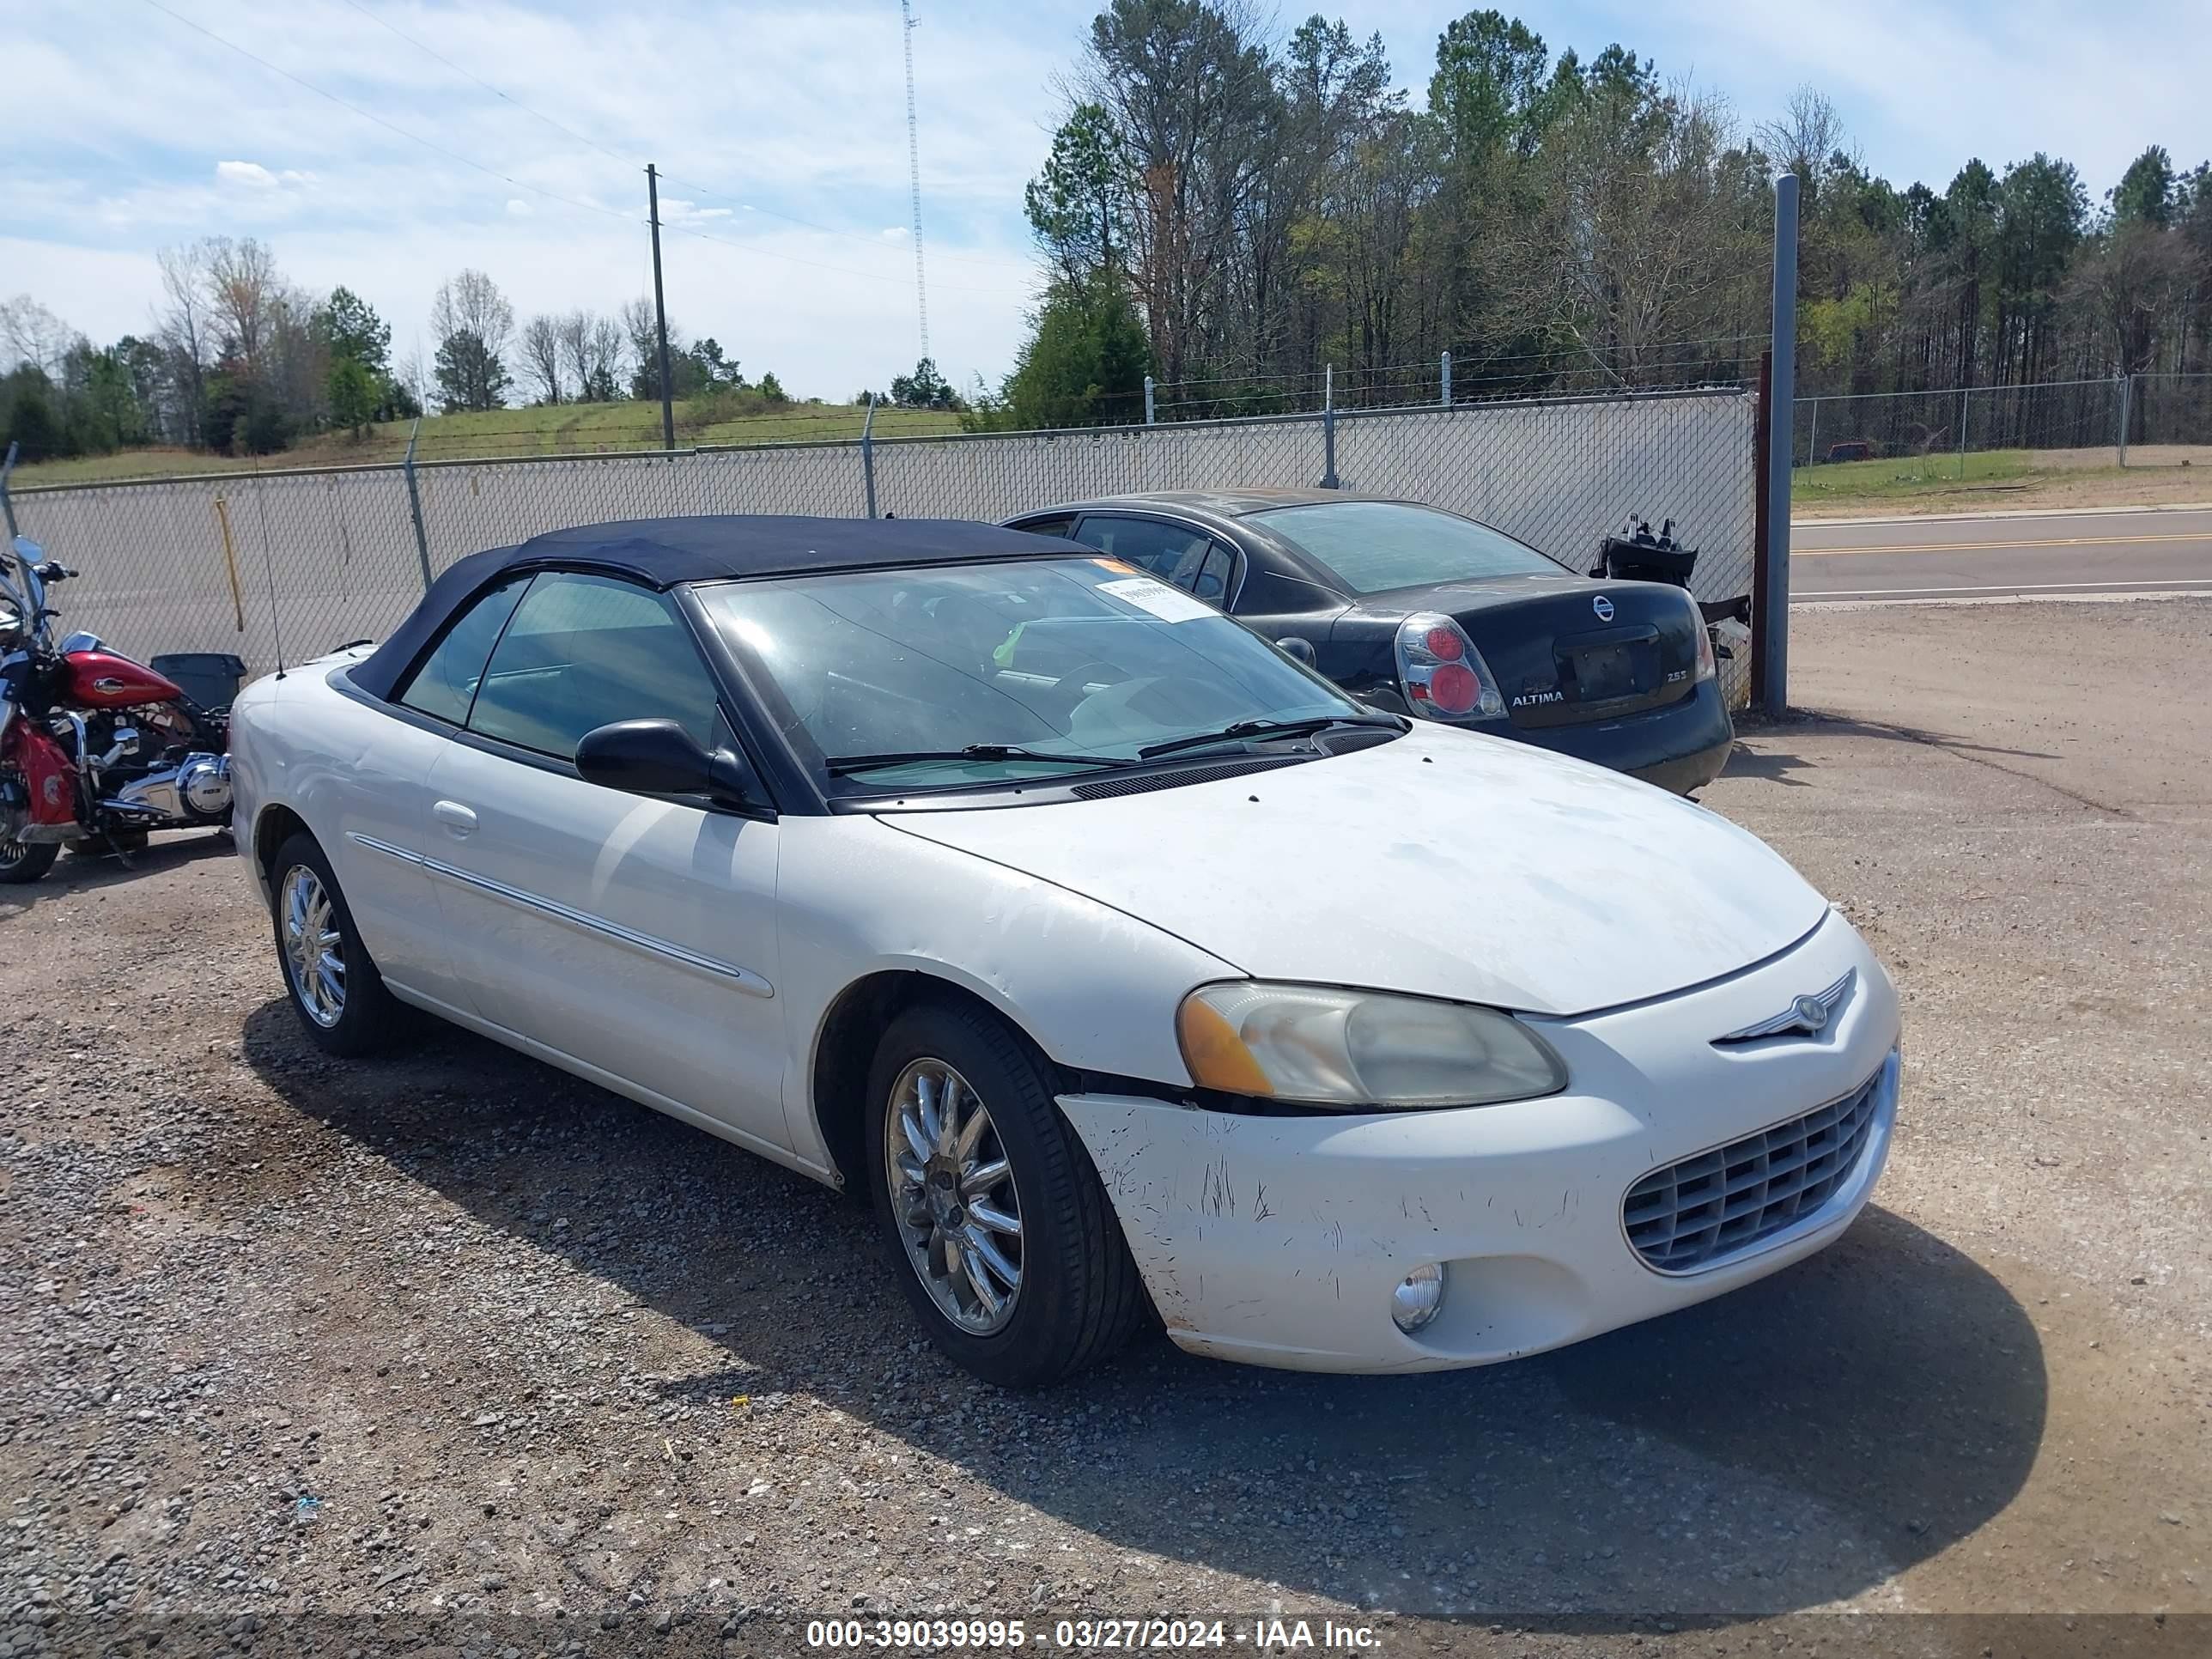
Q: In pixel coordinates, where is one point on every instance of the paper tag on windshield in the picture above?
(1168, 604)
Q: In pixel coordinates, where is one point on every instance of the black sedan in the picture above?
(1427, 613)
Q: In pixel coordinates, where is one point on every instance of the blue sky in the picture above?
(781, 130)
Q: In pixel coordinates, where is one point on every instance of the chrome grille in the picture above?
(1718, 1203)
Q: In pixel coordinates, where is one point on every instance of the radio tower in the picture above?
(913, 173)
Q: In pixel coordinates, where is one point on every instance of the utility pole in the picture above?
(660, 309)
(914, 173)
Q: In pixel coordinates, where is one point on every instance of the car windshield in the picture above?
(883, 679)
(1375, 546)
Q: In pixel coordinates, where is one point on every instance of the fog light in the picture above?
(1418, 1297)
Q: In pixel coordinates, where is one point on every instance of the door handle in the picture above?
(457, 818)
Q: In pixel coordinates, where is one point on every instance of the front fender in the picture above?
(1094, 988)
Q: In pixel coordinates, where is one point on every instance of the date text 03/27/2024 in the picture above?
(1092, 1635)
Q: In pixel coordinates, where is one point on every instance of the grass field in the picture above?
(1997, 479)
(563, 429)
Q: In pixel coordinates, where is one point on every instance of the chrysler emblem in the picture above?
(1603, 606)
(1806, 1015)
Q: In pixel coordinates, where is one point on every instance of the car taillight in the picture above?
(1708, 667)
(1444, 676)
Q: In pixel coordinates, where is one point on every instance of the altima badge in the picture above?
(1808, 1016)
(1603, 606)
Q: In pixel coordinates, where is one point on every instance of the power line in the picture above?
(470, 74)
(590, 143)
(366, 115)
(492, 171)
(681, 230)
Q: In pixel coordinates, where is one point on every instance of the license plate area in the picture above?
(1602, 673)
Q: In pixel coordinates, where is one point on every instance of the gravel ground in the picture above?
(451, 1352)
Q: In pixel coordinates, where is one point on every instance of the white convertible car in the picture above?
(1130, 968)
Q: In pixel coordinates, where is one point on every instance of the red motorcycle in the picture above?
(97, 750)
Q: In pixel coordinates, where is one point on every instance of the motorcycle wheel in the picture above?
(23, 862)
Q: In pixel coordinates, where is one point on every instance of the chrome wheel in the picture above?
(13, 852)
(315, 950)
(953, 1195)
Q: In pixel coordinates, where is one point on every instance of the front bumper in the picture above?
(1277, 1240)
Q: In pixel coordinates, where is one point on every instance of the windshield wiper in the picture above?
(1242, 729)
(840, 764)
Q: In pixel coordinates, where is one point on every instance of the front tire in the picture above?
(22, 862)
(333, 986)
(996, 1224)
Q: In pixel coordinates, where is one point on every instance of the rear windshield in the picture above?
(1374, 546)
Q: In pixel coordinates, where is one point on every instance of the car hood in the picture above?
(1445, 863)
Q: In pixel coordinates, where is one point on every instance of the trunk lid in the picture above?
(1565, 649)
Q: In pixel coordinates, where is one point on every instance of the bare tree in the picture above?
(414, 374)
(1645, 225)
(473, 323)
(243, 289)
(540, 351)
(572, 338)
(471, 303)
(31, 334)
(1807, 138)
(603, 353)
(182, 325)
(641, 327)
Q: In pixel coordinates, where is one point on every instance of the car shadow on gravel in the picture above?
(74, 872)
(1788, 1446)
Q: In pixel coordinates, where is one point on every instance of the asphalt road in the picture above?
(2056, 554)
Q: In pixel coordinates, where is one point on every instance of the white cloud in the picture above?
(676, 211)
(250, 173)
(519, 209)
(893, 233)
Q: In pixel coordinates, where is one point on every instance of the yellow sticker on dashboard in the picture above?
(1120, 566)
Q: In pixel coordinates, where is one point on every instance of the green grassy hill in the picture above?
(500, 433)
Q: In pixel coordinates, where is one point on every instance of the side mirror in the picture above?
(659, 758)
(1300, 650)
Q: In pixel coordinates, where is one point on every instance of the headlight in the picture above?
(1359, 1049)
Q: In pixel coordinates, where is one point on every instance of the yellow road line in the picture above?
(1976, 547)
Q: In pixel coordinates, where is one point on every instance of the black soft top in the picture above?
(662, 552)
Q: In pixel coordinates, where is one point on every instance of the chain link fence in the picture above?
(286, 565)
(2140, 420)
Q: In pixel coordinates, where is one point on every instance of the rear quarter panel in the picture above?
(344, 767)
